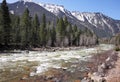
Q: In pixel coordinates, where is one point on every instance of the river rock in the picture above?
(101, 70)
(103, 65)
(24, 77)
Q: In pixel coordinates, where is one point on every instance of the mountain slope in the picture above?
(34, 8)
(57, 10)
(60, 11)
(99, 21)
(102, 25)
(18, 8)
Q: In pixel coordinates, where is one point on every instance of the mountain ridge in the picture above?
(102, 25)
(19, 7)
(96, 19)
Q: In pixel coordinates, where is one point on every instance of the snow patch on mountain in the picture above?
(12, 12)
(84, 15)
(98, 20)
(53, 8)
(57, 10)
(26, 0)
(93, 18)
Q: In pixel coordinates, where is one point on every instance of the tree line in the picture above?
(28, 32)
(114, 40)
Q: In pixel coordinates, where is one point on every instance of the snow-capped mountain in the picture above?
(53, 8)
(91, 17)
(57, 10)
(101, 24)
(93, 21)
(99, 20)
(60, 11)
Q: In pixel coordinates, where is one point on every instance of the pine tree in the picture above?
(74, 35)
(43, 31)
(6, 21)
(60, 30)
(69, 34)
(48, 33)
(78, 36)
(1, 29)
(16, 30)
(53, 36)
(26, 29)
(35, 31)
(66, 23)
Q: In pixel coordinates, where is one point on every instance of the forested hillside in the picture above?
(28, 32)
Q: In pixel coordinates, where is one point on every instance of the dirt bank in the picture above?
(113, 74)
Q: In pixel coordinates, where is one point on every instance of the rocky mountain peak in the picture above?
(53, 7)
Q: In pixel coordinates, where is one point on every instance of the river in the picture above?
(35, 63)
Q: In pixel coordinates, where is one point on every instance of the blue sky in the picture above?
(107, 7)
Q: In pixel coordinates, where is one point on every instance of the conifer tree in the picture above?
(74, 28)
(6, 21)
(26, 29)
(60, 30)
(1, 29)
(48, 34)
(16, 30)
(35, 31)
(53, 36)
(66, 23)
(69, 34)
(43, 31)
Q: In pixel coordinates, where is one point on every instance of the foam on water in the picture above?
(47, 60)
